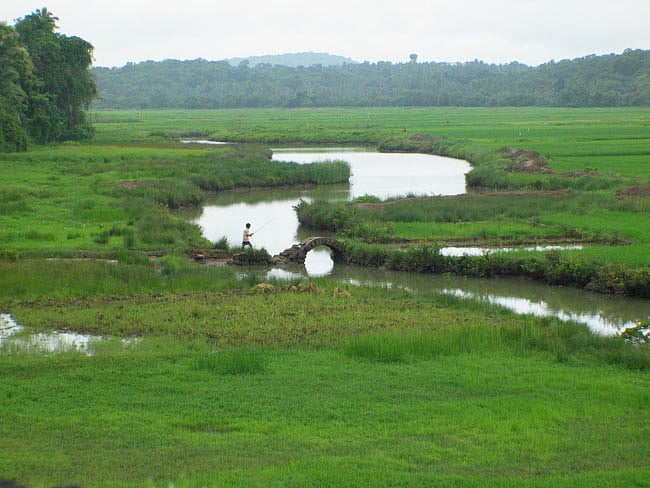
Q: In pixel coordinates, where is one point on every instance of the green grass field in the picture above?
(227, 383)
(313, 388)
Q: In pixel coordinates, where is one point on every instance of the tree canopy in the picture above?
(609, 80)
(45, 83)
(15, 70)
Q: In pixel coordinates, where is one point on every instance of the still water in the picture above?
(275, 228)
(384, 175)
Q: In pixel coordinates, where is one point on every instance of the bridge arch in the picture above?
(298, 252)
(337, 247)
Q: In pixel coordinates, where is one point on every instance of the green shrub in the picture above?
(366, 254)
(327, 216)
(569, 270)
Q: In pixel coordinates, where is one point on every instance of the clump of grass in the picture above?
(328, 172)
(382, 348)
(401, 346)
(222, 244)
(367, 199)
(232, 362)
(35, 235)
(173, 264)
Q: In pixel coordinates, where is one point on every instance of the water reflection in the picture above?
(480, 251)
(603, 314)
(373, 173)
(204, 141)
(55, 342)
(388, 175)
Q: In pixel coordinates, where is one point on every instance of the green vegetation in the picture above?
(301, 385)
(109, 197)
(46, 85)
(594, 81)
(203, 376)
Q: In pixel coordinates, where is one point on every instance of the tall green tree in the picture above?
(62, 87)
(15, 71)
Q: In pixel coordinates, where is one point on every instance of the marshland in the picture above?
(235, 376)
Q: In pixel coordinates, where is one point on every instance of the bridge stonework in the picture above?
(298, 252)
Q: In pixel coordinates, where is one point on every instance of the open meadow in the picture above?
(200, 375)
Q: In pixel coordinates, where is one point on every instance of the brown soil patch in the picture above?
(129, 183)
(526, 161)
(638, 191)
(584, 172)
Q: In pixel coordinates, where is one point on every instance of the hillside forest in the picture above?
(593, 81)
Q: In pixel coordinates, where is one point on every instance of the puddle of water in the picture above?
(480, 251)
(47, 342)
(203, 141)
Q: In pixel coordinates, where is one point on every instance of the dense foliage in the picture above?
(45, 83)
(610, 80)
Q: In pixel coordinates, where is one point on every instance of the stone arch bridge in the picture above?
(298, 252)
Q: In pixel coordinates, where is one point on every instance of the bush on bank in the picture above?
(552, 268)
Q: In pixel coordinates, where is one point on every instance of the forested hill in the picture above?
(592, 81)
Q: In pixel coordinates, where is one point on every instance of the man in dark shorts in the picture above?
(247, 234)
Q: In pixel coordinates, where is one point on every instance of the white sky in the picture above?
(495, 31)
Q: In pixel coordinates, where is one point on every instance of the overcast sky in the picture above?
(495, 31)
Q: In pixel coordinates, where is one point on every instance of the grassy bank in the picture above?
(112, 197)
(311, 385)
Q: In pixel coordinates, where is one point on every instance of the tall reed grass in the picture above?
(562, 342)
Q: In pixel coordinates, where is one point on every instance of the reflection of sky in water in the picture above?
(274, 224)
(391, 174)
(595, 321)
(479, 251)
(46, 342)
(273, 220)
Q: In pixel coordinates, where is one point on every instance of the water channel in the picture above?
(390, 175)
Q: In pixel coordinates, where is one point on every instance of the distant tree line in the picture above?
(593, 81)
(45, 83)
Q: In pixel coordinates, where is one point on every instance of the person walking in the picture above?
(246, 241)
